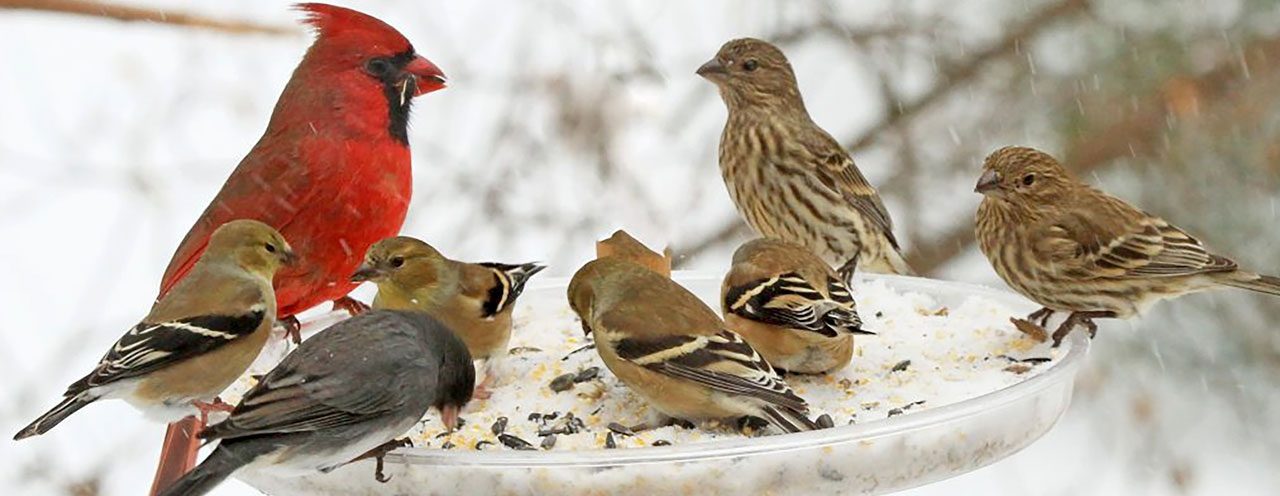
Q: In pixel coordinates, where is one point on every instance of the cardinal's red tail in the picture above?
(178, 454)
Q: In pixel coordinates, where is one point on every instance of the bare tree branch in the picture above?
(956, 74)
(136, 14)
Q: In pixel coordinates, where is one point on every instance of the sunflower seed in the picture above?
(562, 383)
(825, 421)
(587, 374)
(620, 429)
(499, 426)
(609, 442)
(549, 442)
(514, 442)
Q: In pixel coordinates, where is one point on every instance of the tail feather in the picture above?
(54, 416)
(789, 419)
(212, 471)
(844, 322)
(1253, 282)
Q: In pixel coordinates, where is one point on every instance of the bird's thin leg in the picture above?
(1081, 318)
(449, 415)
(292, 328)
(482, 391)
(350, 305)
(379, 453)
(846, 271)
(1041, 317)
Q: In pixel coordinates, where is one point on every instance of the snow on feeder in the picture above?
(947, 386)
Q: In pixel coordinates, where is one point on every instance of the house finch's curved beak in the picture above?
(366, 272)
(989, 182)
(426, 76)
(713, 69)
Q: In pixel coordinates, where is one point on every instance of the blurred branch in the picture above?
(954, 76)
(135, 14)
(1138, 133)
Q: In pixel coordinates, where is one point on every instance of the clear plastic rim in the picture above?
(1076, 348)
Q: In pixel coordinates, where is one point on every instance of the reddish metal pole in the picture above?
(177, 454)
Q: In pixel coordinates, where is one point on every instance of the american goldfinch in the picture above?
(475, 300)
(672, 350)
(347, 391)
(789, 178)
(197, 339)
(1073, 248)
(790, 306)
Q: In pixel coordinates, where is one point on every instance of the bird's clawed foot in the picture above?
(380, 452)
(352, 306)
(1080, 318)
(482, 392)
(292, 329)
(217, 405)
(1041, 317)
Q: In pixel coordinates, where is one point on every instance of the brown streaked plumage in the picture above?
(790, 306)
(671, 349)
(197, 339)
(475, 300)
(790, 179)
(1073, 248)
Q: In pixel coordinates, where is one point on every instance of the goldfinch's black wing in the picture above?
(722, 361)
(508, 283)
(789, 300)
(353, 371)
(150, 346)
(844, 317)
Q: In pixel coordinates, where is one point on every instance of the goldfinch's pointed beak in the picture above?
(366, 272)
(290, 257)
(713, 69)
(988, 182)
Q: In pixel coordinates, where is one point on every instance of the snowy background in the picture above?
(565, 120)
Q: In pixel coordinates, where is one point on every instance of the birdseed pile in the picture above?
(553, 393)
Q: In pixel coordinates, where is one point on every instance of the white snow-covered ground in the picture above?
(114, 136)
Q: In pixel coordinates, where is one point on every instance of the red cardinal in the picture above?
(331, 172)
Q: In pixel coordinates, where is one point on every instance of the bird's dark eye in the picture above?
(397, 262)
(378, 67)
(750, 65)
(1028, 179)
(270, 248)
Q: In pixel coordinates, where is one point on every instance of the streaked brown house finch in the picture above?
(1073, 248)
(789, 178)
